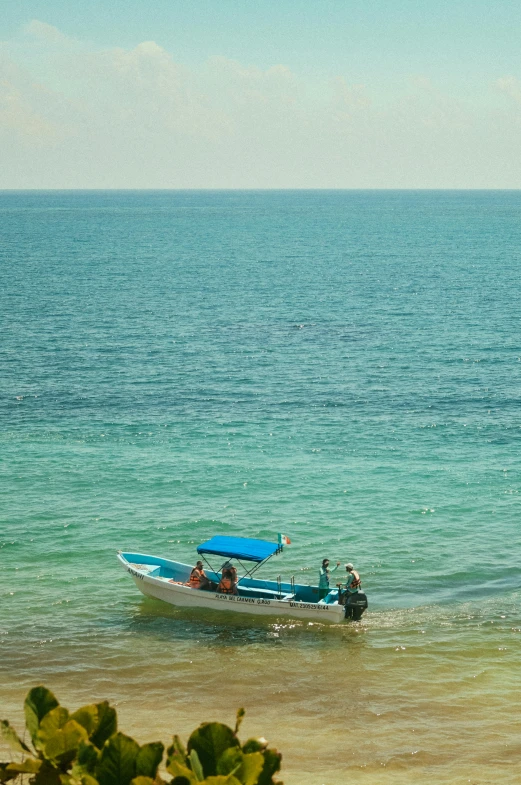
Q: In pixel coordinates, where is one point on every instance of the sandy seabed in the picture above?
(400, 698)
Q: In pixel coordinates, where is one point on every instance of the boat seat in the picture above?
(330, 599)
(253, 591)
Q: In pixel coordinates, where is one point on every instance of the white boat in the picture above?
(167, 580)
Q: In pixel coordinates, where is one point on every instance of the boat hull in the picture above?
(175, 593)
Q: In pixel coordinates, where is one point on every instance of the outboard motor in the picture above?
(355, 605)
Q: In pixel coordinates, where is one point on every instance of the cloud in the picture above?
(44, 31)
(77, 115)
(18, 117)
(423, 104)
(26, 106)
(147, 64)
(510, 86)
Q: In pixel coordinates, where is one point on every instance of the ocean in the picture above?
(343, 367)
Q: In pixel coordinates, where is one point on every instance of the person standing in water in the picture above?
(353, 582)
(323, 581)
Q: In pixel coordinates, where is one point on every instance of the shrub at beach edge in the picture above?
(86, 748)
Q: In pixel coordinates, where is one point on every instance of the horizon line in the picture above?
(248, 189)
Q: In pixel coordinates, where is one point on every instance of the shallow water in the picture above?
(341, 367)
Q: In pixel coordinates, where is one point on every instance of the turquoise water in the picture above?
(342, 367)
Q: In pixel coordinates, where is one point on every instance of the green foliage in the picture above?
(85, 748)
(11, 738)
(210, 741)
(39, 702)
(106, 724)
(246, 768)
(117, 763)
(84, 765)
(148, 759)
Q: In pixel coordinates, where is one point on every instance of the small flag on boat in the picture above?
(283, 540)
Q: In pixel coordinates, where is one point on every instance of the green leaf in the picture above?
(47, 775)
(254, 745)
(11, 738)
(87, 757)
(74, 779)
(210, 740)
(69, 779)
(99, 720)
(107, 724)
(195, 764)
(230, 760)
(39, 702)
(29, 766)
(148, 759)
(5, 775)
(117, 763)
(271, 765)
(220, 780)
(246, 768)
(177, 763)
(238, 721)
(182, 774)
(87, 716)
(63, 745)
(251, 768)
(176, 751)
(142, 781)
(51, 723)
(85, 764)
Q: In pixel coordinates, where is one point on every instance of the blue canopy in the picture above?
(239, 548)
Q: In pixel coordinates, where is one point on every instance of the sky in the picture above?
(260, 94)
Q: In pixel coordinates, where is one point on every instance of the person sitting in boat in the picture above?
(228, 582)
(198, 579)
(323, 581)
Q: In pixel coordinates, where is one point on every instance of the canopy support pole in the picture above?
(257, 565)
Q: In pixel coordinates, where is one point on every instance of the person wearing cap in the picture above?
(198, 579)
(323, 580)
(353, 582)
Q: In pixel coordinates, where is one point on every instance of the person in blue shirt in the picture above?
(323, 581)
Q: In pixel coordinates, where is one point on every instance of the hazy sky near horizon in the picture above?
(264, 94)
